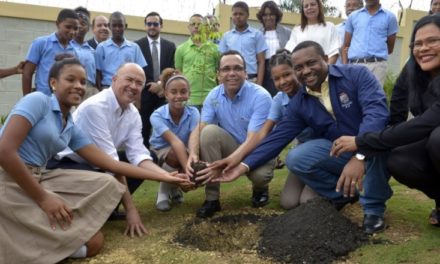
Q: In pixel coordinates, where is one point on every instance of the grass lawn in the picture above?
(409, 239)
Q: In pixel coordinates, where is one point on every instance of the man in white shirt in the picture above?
(113, 123)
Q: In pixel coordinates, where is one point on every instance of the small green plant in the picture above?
(3, 119)
(389, 85)
(208, 30)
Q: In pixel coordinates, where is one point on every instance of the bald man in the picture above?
(113, 123)
(100, 30)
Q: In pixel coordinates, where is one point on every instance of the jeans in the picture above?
(312, 163)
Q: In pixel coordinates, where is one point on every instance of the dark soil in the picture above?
(197, 166)
(223, 233)
(313, 232)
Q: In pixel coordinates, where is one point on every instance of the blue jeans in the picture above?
(311, 162)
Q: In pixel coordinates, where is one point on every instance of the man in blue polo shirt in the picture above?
(370, 34)
(336, 100)
(248, 41)
(232, 114)
(115, 51)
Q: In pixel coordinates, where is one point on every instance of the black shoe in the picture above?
(208, 209)
(260, 198)
(116, 215)
(373, 224)
(341, 203)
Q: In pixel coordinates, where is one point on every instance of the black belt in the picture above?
(251, 76)
(366, 60)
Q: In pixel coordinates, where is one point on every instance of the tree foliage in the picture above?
(294, 6)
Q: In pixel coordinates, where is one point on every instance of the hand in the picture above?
(343, 144)
(226, 164)
(156, 88)
(134, 224)
(351, 176)
(206, 175)
(231, 175)
(19, 67)
(191, 159)
(57, 211)
(183, 180)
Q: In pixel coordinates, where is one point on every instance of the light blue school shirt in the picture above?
(278, 107)
(249, 43)
(110, 56)
(161, 121)
(47, 136)
(86, 55)
(370, 32)
(42, 53)
(247, 112)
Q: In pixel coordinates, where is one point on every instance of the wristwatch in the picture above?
(359, 156)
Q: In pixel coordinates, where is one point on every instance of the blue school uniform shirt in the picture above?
(247, 112)
(109, 56)
(47, 136)
(161, 122)
(42, 53)
(369, 33)
(278, 107)
(86, 55)
(249, 43)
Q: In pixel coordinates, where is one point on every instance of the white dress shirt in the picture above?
(110, 128)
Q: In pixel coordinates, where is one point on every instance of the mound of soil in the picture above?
(313, 232)
(224, 233)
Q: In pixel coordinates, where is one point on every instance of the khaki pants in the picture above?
(216, 144)
(379, 69)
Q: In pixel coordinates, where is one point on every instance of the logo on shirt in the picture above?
(345, 100)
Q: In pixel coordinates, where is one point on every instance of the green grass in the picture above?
(409, 239)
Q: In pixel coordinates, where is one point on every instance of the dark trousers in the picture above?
(67, 163)
(149, 103)
(267, 80)
(417, 165)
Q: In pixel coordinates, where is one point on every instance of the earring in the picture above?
(53, 88)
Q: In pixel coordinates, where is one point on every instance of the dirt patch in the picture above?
(313, 232)
(197, 166)
(224, 233)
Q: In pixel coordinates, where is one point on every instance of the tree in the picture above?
(294, 6)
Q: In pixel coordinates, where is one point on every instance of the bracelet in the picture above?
(247, 167)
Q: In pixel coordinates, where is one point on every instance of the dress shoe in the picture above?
(260, 198)
(373, 224)
(208, 209)
(163, 206)
(341, 203)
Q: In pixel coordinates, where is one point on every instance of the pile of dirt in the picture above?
(224, 233)
(313, 232)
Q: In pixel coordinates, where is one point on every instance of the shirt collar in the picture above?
(56, 108)
(239, 93)
(248, 29)
(364, 9)
(167, 114)
(150, 40)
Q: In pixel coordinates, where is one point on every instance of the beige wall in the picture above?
(21, 23)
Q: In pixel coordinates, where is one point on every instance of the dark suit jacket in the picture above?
(149, 101)
(92, 43)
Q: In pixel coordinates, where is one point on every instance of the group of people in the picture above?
(67, 163)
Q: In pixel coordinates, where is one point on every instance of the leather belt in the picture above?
(366, 60)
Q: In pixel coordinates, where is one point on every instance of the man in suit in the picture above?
(100, 29)
(165, 54)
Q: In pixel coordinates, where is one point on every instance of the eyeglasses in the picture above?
(429, 43)
(152, 24)
(236, 68)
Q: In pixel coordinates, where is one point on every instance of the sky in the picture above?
(182, 9)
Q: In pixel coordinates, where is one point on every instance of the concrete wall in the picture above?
(21, 23)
